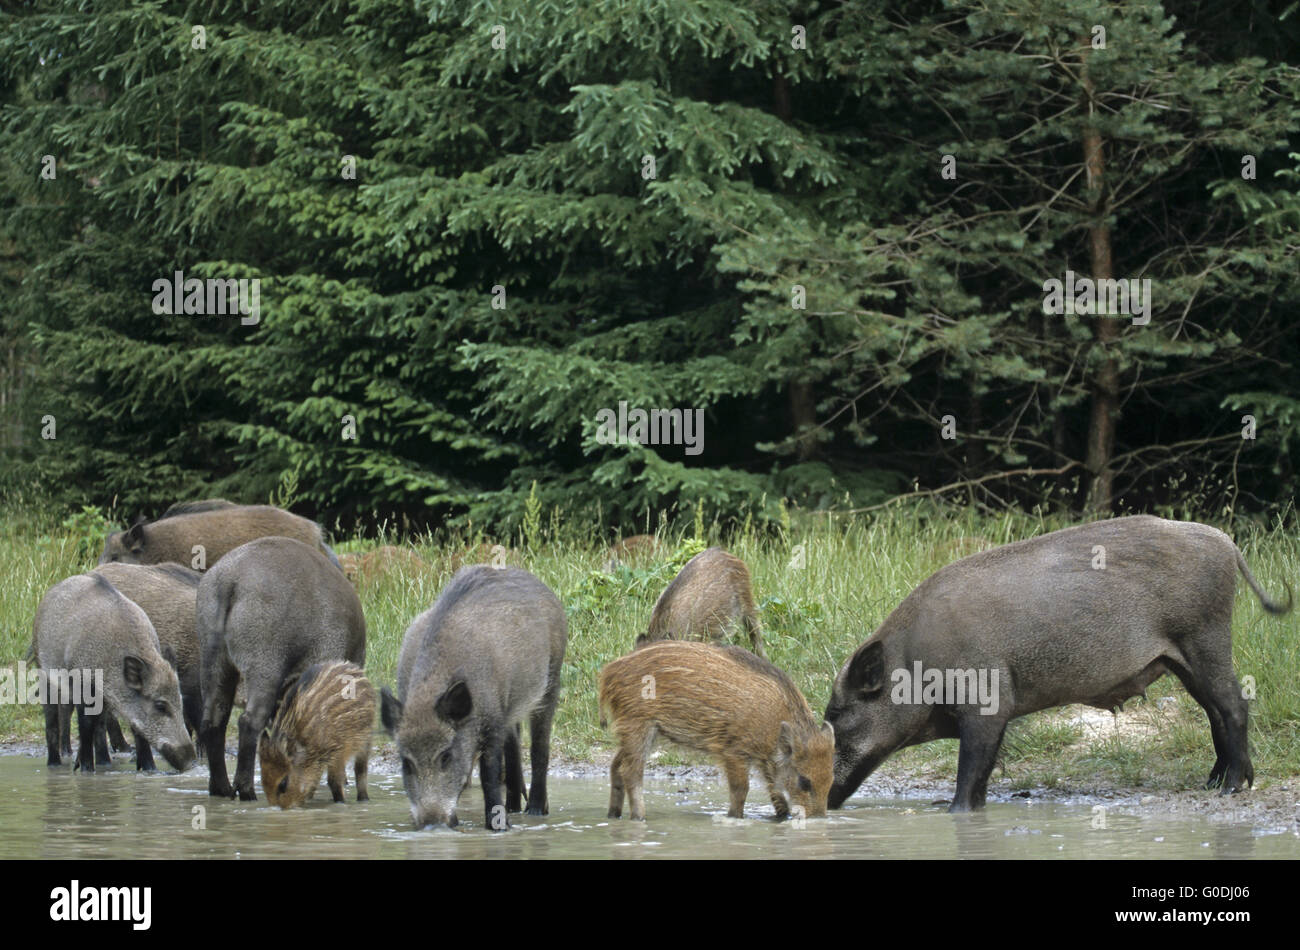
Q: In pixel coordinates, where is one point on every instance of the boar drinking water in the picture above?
(724, 701)
(84, 624)
(483, 658)
(325, 718)
(709, 596)
(1091, 614)
(216, 527)
(265, 613)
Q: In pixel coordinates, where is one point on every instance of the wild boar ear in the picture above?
(866, 673)
(785, 743)
(828, 731)
(133, 672)
(168, 654)
(390, 711)
(135, 536)
(455, 704)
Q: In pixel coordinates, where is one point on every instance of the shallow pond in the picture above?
(53, 813)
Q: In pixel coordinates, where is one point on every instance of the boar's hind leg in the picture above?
(52, 737)
(1211, 682)
(256, 714)
(143, 754)
(634, 746)
(87, 726)
(514, 770)
(737, 772)
(981, 737)
(616, 790)
(539, 737)
(219, 682)
(359, 767)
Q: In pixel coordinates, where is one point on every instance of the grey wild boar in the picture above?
(709, 597)
(84, 623)
(1091, 614)
(266, 612)
(724, 701)
(483, 658)
(325, 719)
(215, 528)
(167, 593)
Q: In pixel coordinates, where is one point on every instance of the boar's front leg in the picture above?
(115, 737)
(87, 725)
(737, 772)
(101, 740)
(490, 768)
(143, 754)
(359, 767)
(514, 770)
(981, 737)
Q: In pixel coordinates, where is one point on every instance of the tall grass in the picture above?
(823, 584)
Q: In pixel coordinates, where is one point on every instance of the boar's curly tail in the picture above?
(1265, 601)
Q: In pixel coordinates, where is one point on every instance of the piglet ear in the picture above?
(785, 743)
(133, 672)
(135, 536)
(454, 704)
(390, 711)
(828, 731)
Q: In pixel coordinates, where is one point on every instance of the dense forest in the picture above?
(1024, 252)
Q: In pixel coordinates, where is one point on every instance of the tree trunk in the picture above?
(1105, 385)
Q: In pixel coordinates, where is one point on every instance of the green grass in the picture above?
(855, 570)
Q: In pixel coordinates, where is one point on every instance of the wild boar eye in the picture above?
(444, 760)
(160, 705)
(804, 784)
(407, 765)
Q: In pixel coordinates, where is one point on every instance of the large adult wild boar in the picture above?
(1091, 614)
(710, 596)
(85, 624)
(483, 658)
(216, 526)
(266, 612)
(167, 593)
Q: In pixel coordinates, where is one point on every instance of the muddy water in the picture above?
(53, 813)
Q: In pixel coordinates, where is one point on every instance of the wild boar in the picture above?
(634, 550)
(326, 718)
(217, 530)
(724, 701)
(85, 624)
(1091, 614)
(350, 565)
(709, 596)
(379, 562)
(167, 593)
(486, 655)
(265, 612)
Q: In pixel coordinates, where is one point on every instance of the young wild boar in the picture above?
(265, 612)
(709, 596)
(326, 717)
(218, 529)
(1091, 614)
(726, 702)
(483, 658)
(634, 550)
(167, 593)
(84, 623)
(381, 561)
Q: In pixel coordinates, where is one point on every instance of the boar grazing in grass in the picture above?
(350, 565)
(1091, 614)
(637, 549)
(709, 597)
(215, 529)
(325, 719)
(382, 561)
(265, 613)
(167, 593)
(486, 656)
(84, 624)
(726, 702)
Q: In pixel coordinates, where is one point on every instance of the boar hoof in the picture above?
(220, 790)
(538, 810)
(247, 795)
(615, 813)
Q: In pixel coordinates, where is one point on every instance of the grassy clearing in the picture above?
(822, 583)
